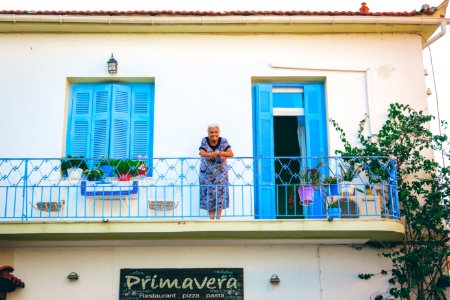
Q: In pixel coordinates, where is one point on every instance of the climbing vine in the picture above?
(420, 261)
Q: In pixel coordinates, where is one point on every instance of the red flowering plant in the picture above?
(142, 167)
(310, 179)
(311, 176)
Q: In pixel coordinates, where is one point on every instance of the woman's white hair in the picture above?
(213, 125)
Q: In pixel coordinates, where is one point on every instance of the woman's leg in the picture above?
(219, 213)
(211, 214)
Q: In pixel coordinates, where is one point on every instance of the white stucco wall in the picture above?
(200, 79)
(306, 271)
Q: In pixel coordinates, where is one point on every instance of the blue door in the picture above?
(302, 107)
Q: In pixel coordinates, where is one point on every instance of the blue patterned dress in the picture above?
(214, 193)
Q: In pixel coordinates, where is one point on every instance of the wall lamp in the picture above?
(73, 276)
(112, 65)
(274, 279)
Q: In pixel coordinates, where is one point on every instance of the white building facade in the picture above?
(187, 70)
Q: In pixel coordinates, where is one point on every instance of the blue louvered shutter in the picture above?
(100, 121)
(265, 206)
(315, 123)
(142, 122)
(120, 121)
(80, 120)
(316, 140)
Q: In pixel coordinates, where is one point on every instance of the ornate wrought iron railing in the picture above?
(170, 188)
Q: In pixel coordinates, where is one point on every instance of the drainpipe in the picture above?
(437, 36)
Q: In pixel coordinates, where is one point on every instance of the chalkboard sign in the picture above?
(217, 283)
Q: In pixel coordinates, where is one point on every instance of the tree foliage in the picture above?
(420, 260)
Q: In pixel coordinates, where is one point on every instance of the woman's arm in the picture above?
(225, 154)
(210, 155)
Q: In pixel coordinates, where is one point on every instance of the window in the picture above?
(110, 120)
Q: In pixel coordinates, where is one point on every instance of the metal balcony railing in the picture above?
(55, 189)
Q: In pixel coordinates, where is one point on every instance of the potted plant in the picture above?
(96, 174)
(347, 173)
(331, 186)
(310, 179)
(142, 167)
(105, 165)
(73, 166)
(334, 211)
(125, 168)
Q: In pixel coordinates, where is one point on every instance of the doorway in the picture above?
(287, 149)
(289, 121)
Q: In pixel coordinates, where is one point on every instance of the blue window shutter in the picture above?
(265, 206)
(101, 110)
(316, 139)
(315, 122)
(120, 118)
(80, 120)
(141, 120)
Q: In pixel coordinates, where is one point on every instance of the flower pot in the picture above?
(93, 178)
(124, 177)
(306, 194)
(334, 212)
(109, 171)
(75, 173)
(347, 189)
(332, 190)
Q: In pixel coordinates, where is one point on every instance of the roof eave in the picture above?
(424, 26)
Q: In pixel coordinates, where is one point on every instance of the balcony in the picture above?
(47, 199)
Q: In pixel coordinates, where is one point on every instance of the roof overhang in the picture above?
(285, 24)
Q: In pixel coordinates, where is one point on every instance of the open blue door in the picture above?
(316, 141)
(264, 151)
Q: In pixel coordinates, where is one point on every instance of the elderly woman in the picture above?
(214, 195)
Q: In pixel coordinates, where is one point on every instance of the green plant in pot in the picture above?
(106, 164)
(94, 174)
(70, 163)
(310, 179)
(125, 168)
(347, 173)
(331, 186)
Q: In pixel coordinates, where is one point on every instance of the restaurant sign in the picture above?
(212, 283)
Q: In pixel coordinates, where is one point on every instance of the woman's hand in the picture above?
(215, 154)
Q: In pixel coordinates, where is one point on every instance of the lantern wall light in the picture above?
(274, 279)
(112, 65)
(73, 276)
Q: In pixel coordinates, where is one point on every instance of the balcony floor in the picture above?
(338, 230)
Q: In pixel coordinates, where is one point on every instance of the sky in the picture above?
(438, 53)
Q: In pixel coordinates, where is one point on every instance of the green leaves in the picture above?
(365, 276)
(424, 193)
